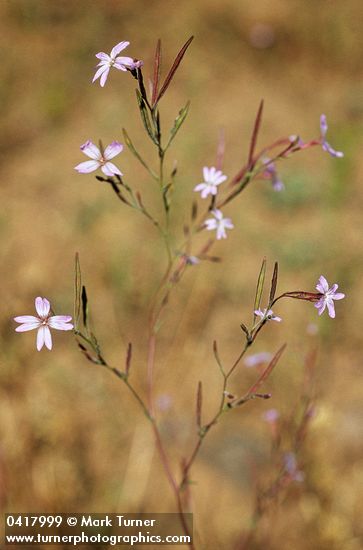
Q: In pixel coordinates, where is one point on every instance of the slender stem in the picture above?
(203, 432)
(133, 391)
(222, 407)
(235, 364)
(150, 372)
(158, 440)
(156, 309)
(164, 457)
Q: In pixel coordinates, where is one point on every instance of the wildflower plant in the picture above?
(209, 217)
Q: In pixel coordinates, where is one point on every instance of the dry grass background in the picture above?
(71, 437)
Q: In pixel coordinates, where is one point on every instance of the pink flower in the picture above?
(99, 159)
(271, 416)
(219, 223)
(212, 178)
(268, 315)
(325, 145)
(43, 322)
(120, 63)
(291, 467)
(271, 172)
(329, 294)
(258, 359)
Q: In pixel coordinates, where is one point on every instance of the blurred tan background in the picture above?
(71, 437)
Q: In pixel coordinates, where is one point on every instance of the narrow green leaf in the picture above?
(177, 123)
(217, 358)
(274, 282)
(251, 394)
(174, 171)
(259, 288)
(77, 291)
(157, 64)
(87, 354)
(194, 212)
(131, 147)
(246, 331)
(128, 359)
(255, 135)
(266, 373)
(142, 89)
(84, 307)
(173, 69)
(166, 195)
(145, 117)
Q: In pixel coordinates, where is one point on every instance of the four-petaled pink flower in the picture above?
(219, 223)
(268, 315)
(120, 63)
(329, 294)
(212, 178)
(43, 322)
(99, 159)
(325, 145)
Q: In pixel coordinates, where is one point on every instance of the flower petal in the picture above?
(206, 191)
(42, 306)
(91, 150)
(113, 149)
(331, 308)
(220, 179)
(47, 338)
(61, 318)
(103, 56)
(104, 77)
(338, 296)
(124, 62)
(118, 48)
(26, 319)
(119, 66)
(211, 224)
(28, 326)
(227, 222)
(277, 184)
(57, 323)
(218, 214)
(206, 173)
(87, 166)
(40, 338)
(329, 149)
(104, 68)
(320, 305)
(110, 169)
(322, 285)
(221, 232)
(323, 125)
(212, 173)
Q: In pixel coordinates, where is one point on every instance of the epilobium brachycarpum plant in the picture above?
(209, 215)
